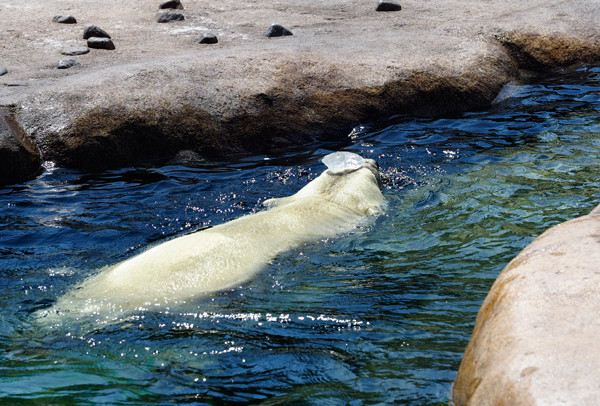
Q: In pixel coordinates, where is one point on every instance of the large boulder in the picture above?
(535, 340)
(19, 156)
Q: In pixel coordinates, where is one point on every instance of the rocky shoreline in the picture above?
(162, 90)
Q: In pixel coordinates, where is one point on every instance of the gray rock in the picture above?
(67, 63)
(64, 19)
(168, 16)
(3, 70)
(277, 30)
(173, 4)
(208, 38)
(93, 31)
(388, 5)
(100, 43)
(19, 156)
(76, 51)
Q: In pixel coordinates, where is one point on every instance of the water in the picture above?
(379, 316)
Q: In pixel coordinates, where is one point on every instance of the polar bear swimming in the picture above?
(229, 254)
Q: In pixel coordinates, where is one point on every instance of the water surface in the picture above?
(379, 316)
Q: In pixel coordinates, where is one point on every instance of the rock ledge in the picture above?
(158, 93)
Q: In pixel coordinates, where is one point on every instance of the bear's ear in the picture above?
(276, 201)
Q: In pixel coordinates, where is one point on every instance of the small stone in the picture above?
(388, 5)
(76, 51)
(3, 70)
(67, 63)
(62, 19)
(173, 4)
(94, 31)
(208, 38)
(168, 16)
(100, 43)
(276, 30)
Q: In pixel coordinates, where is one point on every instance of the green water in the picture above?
(379, 316)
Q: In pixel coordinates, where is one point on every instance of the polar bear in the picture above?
(229, 254)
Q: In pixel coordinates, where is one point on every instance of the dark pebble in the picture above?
(76, 51)
(64, 19)
(277, 30)
(208, 38)
(388, 5)
(67, 63)
(174, 4)
(93, 31)
(100, 43)
(3, 70)
(168, 16)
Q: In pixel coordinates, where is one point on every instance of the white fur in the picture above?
(229, 254)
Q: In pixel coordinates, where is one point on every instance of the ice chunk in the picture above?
(343, 161)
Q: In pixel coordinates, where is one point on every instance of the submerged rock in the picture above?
(64, 19)
(172, 4)
(19, 157)
(94, 31)
(388, 5)
(208, 38)
(67, 63)
(187, 157)
(277, 30)
(168, 16)
(100, 43)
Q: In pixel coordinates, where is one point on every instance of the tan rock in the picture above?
(535, 340)
(19, 157)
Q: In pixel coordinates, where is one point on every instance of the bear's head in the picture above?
(351, 182)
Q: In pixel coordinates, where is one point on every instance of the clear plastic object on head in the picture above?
(343, 161)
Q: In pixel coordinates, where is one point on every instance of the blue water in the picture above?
(379, 316)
